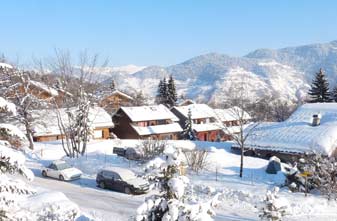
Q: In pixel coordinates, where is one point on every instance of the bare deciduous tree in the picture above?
(82, 81)
(196, 159)
(239, 101)
(18, 87)
(151, 148)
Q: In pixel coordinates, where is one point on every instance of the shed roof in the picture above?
(296, 134)
(147, 113)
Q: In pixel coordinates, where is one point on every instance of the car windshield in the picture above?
(63, 166)
(127, 175)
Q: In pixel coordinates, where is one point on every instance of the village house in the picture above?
(115, 100)
(186, 102)
(312, 128)
(155, 121)
(229, 119)
(204, 121)
(41, 91)
(45, 124)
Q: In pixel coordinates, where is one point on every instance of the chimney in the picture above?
(316, 120)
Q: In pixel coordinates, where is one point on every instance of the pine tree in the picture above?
(188, 132)
(171, 92)
(162, 93)
(334, 94)
(319, 90)
(159, 95)
(113, 85)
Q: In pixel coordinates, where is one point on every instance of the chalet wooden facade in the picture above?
(115, 100)
(186, 102)
(154, 121)
(45, 124)
(41, 91)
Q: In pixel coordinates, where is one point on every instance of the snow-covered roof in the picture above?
(206, 127)
(147, 113)
(297, 134)
(5, 65)
(231, 114)
(157, 129)
(45, 88)
(186, 102)
(45, 121)
(198, 111)
(117, 92)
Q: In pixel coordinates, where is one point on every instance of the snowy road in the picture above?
(102, 204)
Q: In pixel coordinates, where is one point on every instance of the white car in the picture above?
(62, 171)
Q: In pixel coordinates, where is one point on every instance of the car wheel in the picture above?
(44, 173)
(102, 185)
(61, 178)
(127, 190)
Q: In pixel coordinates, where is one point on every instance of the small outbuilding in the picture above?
(301, 133)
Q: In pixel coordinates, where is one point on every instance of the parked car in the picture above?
(133, 154)
(120, 151)
(62, 171)
(129, 153)
(122, 180)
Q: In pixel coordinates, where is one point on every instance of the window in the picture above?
(53, 167)
(108, 174)
(160, 122)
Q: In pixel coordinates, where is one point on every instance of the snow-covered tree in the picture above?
(315, 172)
(15, 191)
(19, 89)
(77, 129)
(171, 92)
(11, 162)
(172, 204)
(188, 132)
(274, 207)
(319, 91)
(161, 97)
(139, 99)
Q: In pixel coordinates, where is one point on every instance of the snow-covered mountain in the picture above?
(284, 73)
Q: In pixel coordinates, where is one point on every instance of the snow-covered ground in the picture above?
(238, 196)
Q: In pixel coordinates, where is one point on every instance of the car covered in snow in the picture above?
(121, 180)
(62, 171)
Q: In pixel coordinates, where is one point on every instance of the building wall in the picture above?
(113, 102)
(167, 136)
(123, 128)
(45, 138)
(208, 135)
(105, 135)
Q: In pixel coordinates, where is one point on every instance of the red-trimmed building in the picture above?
(155, 121)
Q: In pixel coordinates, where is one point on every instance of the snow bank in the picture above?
(16, 158)
(7, 106)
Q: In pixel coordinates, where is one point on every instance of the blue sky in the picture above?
(161, 32)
